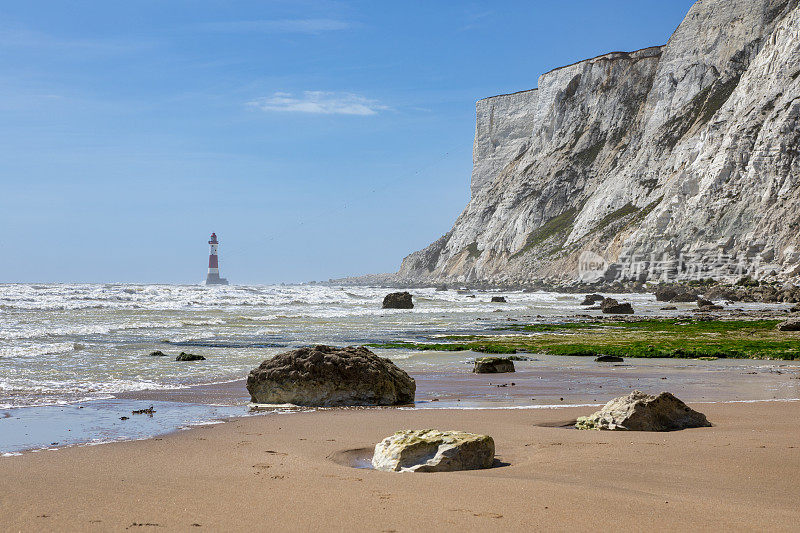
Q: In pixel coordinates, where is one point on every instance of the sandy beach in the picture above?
(284, 472)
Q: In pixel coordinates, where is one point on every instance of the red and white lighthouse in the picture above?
(213, 263)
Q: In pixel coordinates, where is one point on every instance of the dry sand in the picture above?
(277, 473)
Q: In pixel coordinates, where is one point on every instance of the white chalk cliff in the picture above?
(665, 158)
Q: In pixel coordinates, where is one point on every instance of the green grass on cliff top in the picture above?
(672, 338)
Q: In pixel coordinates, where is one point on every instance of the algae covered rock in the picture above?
(398, 300)
(329, 376)
(642, 412)
(793, 324)
(493, 365)
(183, 356)
(430, 450)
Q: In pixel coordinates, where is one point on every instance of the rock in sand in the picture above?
(329, 376)
(430, 450)
(642, 412)
(493, 365)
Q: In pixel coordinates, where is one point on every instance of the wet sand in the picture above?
(277, 472)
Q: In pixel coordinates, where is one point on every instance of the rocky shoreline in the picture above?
(745, 289)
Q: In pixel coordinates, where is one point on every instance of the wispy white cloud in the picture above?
(319, 102)
(474, 18)
(25, 38)
(310, 25)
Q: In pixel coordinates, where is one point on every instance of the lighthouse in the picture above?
(213, 263)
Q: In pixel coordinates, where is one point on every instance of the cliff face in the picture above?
(670, 162)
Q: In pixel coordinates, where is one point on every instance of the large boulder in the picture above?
(429, 450)
(398, 300)
(493, 365)
(793, 324)
(613, 307)
(642, 412)
(329, 376)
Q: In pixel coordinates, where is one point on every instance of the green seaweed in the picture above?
(667, 338)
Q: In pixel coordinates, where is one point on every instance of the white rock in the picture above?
(430, 450)
(642, 412)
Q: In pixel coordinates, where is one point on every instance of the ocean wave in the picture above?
(40, 387)
(82, 329)
(225, 344)
(35, 350)
(209, 322)
(189, 337)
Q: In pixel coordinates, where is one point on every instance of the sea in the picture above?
(75, 359)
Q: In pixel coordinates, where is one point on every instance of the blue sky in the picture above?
(318, 139)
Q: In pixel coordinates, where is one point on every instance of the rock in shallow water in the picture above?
(430, 450)
(613, 307)
(183, 356)
(609, 359)
(493, 365)
(328, 376)
(592, 299)
(642, 412)
(398, 300)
